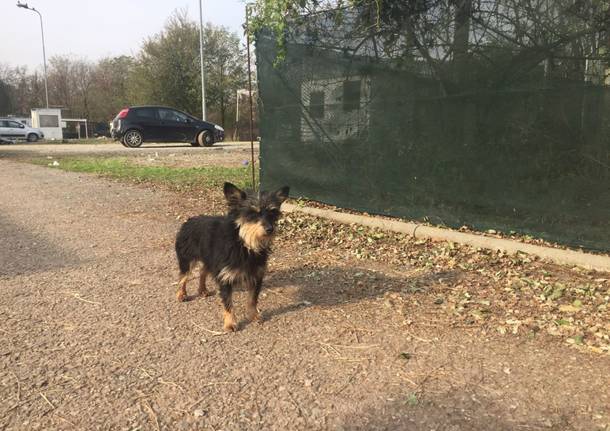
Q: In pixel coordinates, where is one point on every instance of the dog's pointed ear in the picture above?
(233, 195)
(282, 194)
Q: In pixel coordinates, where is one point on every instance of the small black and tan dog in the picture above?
(233, 249)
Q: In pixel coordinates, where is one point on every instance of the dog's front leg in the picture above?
(226, 294)
(252, 308)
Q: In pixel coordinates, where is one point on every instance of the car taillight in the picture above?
(123, 113)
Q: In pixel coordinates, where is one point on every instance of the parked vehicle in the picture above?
(101, 130)
(13, 130)
(137, 124)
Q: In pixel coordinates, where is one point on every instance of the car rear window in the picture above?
(145, 113)
(171, 115)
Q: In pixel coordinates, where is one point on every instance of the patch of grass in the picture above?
(179, 178)
(412, 399)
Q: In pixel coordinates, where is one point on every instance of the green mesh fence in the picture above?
(506, 137)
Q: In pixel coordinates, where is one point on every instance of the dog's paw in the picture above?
(254, 315)
(181, 296)
(206, 293)
(230, 325)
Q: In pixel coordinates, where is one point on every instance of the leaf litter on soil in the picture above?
(491, 290)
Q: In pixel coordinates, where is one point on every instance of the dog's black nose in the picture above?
(269, 229)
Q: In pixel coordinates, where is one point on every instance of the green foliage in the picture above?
(22, 90)
(412, 399)
(276, 16)
(111, 86)
(6, 102)
(167, 70)
(273, 15)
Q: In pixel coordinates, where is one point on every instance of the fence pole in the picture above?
(250, 96)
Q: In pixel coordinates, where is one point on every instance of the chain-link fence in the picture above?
(493, 116)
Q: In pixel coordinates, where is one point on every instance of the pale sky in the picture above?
(96, 29)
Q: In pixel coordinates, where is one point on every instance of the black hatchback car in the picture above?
(138, 124)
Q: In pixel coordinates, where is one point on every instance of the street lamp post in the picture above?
(44, 54)
(201, 58)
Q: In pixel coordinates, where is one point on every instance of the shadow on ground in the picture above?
(24, 253)
(465, 408)
(334, 286)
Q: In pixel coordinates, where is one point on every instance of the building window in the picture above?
(49, 121)
(351, 95)
(316, 104)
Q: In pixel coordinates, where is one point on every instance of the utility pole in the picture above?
(201, 58)
(44, 54)
(250, 93)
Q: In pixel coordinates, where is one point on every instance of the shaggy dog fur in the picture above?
(233, 249)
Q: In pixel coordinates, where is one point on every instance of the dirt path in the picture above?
(91, 336)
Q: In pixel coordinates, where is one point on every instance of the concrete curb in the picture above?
(564, 257)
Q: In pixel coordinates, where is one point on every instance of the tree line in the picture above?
(165, 71)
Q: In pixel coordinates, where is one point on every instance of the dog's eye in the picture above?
(273, 213)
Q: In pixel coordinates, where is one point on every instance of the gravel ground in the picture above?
(91, 336)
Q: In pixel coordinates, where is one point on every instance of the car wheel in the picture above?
(205, 139)
(32, 137)
(132, 139)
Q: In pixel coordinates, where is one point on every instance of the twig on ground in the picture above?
(297, 406)
(339, 356)
(330, 346)
(420, 385)
(18, 386)
(424, 340)
(366, 346)
(77, 296)
(209, 331)
(220, 383)
(142, 395)
(176, 385)
(349, 380)
(152, 413)
(409, 380)
(47, 400)
(64, 419)
(145, 372)
(193, 404)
